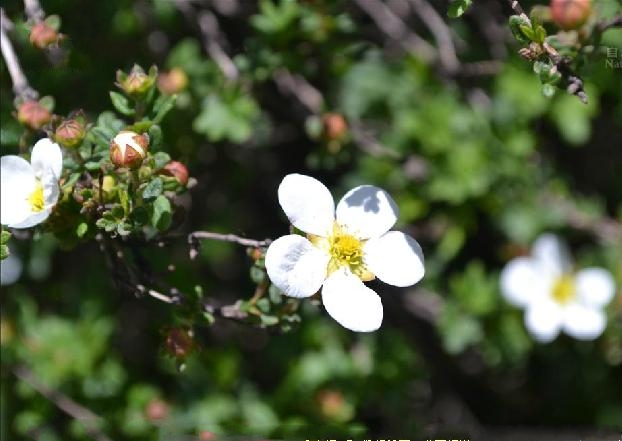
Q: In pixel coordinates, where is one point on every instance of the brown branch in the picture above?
(393, 27)
(192, 237)
(441, 32)
(298, 86)
(614, 22)
(211, 37)
(21, 87)
(64, 403)
(34, 11)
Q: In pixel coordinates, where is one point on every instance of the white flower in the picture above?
(29, 191)
(554, 297)
(343, 248)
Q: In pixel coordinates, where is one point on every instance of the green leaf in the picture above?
(161, 214)
(48, 102)
(121, 103)
(528, 32)
(82, 229)
(4, 237)
(227, 118)
(540, 34)
(160, 159)
(155, 137)
(162, 106)
(4, 251)
(54, 21)
(458, 7)
(153, 189)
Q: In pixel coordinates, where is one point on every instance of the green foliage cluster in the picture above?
(479, 165)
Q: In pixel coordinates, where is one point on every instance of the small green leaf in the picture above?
(4, 237)
(161, 215)
(540, 34)
(82, 229)
(548, 90)
(153, 189)
(160, 159)
(4, 252)
(268, 320)
(54, 21)
(528, 32)
(162, 106)
(48, 102)
(458, 7)
(121, 103)
(155, 137)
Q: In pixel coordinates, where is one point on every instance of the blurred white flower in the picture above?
(10, 270)
(29, 191)
(554, 297)
(343, 248)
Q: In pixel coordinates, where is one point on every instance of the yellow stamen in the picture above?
(564, 289)
(345, 250)
(36, 198)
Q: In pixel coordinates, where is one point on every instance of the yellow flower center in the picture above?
(345, 250)
(564, 289)
(36, 198)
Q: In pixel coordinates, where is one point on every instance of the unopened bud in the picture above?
(335, 126)
(177, 170)
(42, 35)
(33, 114)
(70, 133)
(179, 342)
(173, 81)
(157, 410)
(128, 149)
(570, 14)
(137, 82)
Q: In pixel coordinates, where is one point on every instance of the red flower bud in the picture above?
(570, 14)
(70, 133)
(173, 81)
(157, 410)
(33, 114)
(335, 126)
(179, 342)
(42, 35)
(137, 83)
(128, 149)
(177, 170)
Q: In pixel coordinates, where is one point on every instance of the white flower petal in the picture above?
(395, 258)
(551, 254)
(522, 282)
(543, 320)
(17, 182)
(47, 155)
(295, 266)
(595, 286)
(51, 190)
(584, 323)
(351, 303)
(308, 204)
(34, 218)
(367, 211)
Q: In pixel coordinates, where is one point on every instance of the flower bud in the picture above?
(42, 35)
(179, 342)
(335, 126)
(570, 14)
(70, 133)
(128, 149)
(173, 81)
(137, 82)
(177, 170)
(157, 410)
(33, 115)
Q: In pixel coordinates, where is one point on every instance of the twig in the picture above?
(441, 33)
(298, 86)
(210, 32)
(393, 26)
(614, 22)
(228, 238)
(370, 144)
(64, 403)
(21, 88)
(34, 11)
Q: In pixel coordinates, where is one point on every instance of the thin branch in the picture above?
(211, 35)
(393, 26)
(64, 403)
(21, 88)
(192, 237)
(34, 11)
(441, 32)
(298, 86)
(369, 144)
(614, 22)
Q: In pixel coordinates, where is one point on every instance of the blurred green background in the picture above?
(479, 162)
